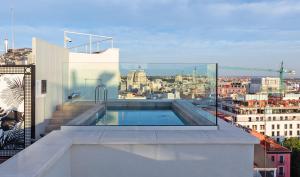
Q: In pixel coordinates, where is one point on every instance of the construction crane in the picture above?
(282, 70)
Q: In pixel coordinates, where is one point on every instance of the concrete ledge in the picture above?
(87, 118)
(139, 104)
(116, 128)
(39, 158)
(187, 111)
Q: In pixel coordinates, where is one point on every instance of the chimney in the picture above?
(5, 45)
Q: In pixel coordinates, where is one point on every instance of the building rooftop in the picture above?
(269, 143)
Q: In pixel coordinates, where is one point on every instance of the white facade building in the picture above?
(265, 85)
(276, 122)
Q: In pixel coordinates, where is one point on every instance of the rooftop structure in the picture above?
(97, 131)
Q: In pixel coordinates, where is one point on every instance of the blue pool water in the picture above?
(139, 117)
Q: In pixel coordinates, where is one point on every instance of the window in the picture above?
(285, 126)
(257, 118)
(44, 87)
(278, 140)
(269, 118)
(278, 133)
(298, 132)
(281, 118)
(274, 118)
(261, 118)
(281, 172)
(291, 126)
(273, 158)
(298, 125)
(273, 126)
(273, 133)
(278, 126)
(286, 117)
(262, 127)
(254, 127)
(281, 159)
(291, 133)
(285, 133)
(249, 119)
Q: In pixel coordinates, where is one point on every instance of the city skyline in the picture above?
(266, 32)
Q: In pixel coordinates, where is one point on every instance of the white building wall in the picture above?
(49, 61)
(186, 160)
(284, 125)
(86, 70)
(61, 168)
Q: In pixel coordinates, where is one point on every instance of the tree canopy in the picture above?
(292, 143)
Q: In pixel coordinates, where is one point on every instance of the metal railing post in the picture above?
(90, 43)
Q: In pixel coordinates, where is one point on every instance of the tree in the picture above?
(294, 145)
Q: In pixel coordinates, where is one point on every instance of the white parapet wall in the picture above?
(49, 60)
(225, 152)
(86, 71)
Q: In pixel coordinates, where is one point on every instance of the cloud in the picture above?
(197, 30)
(269, 8)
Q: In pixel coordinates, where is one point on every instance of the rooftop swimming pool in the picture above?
(144, 113)
(138, 117)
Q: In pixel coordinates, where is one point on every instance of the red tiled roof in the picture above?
(269, 143)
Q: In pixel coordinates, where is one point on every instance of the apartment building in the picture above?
(265, 85)
(228, 87)
(276, 118)
(279, 156)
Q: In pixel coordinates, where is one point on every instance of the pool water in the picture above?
(139, 117)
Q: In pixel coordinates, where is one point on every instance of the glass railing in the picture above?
(142, 93)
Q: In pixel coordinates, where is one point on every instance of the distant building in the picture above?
(20, 56)
(178, 78)
(136, 79)
(265, 85)
(276, 118)
(175, 95)
(270, 158)
(263, 165)
(280, 156)
(291, 96)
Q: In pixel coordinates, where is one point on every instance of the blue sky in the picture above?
(233, 32)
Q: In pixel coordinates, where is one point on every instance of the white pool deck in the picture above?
(39, 158)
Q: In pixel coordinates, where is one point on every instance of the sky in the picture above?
(245, 33)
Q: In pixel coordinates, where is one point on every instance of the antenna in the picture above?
(12, 29)
(5, 45)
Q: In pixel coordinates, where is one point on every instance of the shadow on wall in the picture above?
(86, 86)
(74, 79)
